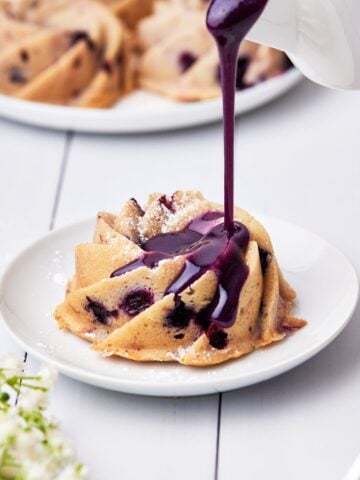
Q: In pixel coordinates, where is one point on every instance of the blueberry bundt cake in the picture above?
(70, 53)
(130, 11)
(167, 283)
(180, 59)
(91, 53)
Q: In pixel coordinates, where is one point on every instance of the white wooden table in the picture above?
(298, 159)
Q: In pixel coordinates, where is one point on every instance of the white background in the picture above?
(298, 159)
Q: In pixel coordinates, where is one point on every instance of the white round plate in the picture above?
(34, 284)
(141, 111)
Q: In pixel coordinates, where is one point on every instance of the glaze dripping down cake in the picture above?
(167, 283)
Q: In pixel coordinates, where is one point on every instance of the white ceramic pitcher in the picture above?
(322, 38)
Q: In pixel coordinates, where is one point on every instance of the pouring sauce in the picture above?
(207, 243)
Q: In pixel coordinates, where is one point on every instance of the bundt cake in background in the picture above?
(130, 11)
(91, 53)
(180, 60)
(71, 53)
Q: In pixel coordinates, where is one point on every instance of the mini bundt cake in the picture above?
(180, 60)
(167, 283)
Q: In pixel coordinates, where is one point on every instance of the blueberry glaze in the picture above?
(229, 21)
(242, 65)
(206, 246)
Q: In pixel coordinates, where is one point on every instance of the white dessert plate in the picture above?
(141, 111)
(34, 284)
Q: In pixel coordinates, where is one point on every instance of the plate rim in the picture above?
(60, 117)
(203, 386)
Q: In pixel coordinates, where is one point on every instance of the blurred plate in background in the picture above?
(142, 111)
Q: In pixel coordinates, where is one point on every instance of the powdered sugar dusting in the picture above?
(162, 214)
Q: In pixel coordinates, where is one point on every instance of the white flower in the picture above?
(38, 471)
(62, 445)
(8, 472)
(9, 426)
(12, 365)
(28, 444)
(32, 446)
(30, 400)
(49, 376)
(74, 472)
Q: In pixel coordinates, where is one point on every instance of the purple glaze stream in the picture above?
(229, 21)
(207, 243)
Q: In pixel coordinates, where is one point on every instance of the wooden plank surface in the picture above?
(30, 162)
